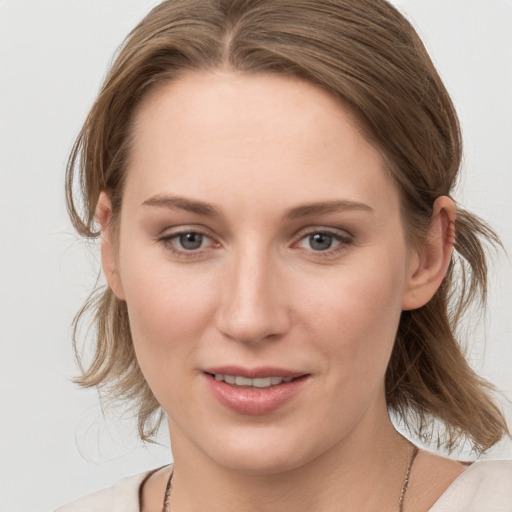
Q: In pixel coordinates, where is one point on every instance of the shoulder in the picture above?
(122, 497)
(485, 486)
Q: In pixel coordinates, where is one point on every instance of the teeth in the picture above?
(229, 379)
(262, 382)
(242, 381)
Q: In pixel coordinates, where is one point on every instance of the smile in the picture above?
(261, 382)
(257, 391)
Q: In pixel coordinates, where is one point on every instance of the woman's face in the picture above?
(260, 241)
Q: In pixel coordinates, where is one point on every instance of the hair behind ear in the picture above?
(428, 376)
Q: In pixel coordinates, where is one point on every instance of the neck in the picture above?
(365, 472)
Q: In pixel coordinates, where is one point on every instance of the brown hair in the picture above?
(367, 55)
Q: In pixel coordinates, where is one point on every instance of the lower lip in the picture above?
(254, 401)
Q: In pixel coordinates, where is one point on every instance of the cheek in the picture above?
(356, 314)
(168, 312)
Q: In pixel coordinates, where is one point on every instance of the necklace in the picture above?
(405, 485)
(167, 495)
(401, 499)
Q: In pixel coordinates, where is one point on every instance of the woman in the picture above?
(285, 264)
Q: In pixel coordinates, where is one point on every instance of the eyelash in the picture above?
(344, 240)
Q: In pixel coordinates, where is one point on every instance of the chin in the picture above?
(263, 453)
(252, 463)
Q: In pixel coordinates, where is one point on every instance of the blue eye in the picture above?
(190, 241)
(186, 243)
(321, 241)
(324, 241)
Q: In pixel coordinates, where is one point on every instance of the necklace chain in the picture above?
(405, 485)
(168, 487)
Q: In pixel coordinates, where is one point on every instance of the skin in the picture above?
(257, 292)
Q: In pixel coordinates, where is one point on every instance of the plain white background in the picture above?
(55, 443)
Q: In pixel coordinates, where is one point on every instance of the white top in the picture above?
(485, 486)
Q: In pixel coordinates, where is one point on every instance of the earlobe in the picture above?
(108, 248)
(431, 260)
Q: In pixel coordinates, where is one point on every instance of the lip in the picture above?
(250, 400)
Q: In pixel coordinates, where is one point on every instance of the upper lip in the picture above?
(254, 373)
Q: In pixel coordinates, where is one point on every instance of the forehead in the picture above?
(222, 134)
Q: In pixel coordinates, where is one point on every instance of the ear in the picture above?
(108, 248)
(430, 261)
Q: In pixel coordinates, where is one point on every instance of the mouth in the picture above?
(254, 392)
(259, 382)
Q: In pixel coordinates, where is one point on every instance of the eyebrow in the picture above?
(208, 210)
(327, 207)
(182, 203)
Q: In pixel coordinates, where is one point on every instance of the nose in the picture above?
(253, 304)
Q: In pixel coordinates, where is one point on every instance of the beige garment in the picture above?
(485, 486)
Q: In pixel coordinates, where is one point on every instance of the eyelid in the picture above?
(312, 230)
(178, 228)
